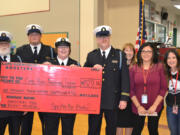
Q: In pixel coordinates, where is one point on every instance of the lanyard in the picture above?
(175, 87)
(145, 79)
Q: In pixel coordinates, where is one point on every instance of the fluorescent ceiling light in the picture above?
(177, 6)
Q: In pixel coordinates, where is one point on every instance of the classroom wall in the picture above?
(9, 7)
(88, 21)
(79, 18)
(123, 17)
(172, 17)
(62, 17)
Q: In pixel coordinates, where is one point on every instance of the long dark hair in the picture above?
(154, 56)
(167, 67)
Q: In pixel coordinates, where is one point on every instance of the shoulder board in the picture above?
(95, 50)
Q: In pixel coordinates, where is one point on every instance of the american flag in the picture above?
(141, 35)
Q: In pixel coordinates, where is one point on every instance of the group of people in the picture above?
(151, 83)
(133, 86)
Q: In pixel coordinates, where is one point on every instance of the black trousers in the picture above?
(14, 123)
(95, 122)
(152, 124)
(52, 123)
(27, 123)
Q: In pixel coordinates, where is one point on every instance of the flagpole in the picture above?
(142, 21)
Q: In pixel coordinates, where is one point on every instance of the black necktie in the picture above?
(5, 58)
(104, 55)
(35, 54)
(62, 64)
(35, 51)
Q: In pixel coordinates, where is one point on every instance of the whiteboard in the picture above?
(14, 7)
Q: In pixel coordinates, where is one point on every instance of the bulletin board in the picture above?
(15, 7)
(50, 38)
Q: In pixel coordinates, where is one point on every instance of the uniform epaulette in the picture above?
(118, 49)
(95, 50)
(23, 46)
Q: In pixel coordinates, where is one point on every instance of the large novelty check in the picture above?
(49, 88)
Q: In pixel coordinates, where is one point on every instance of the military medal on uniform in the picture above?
(175, 106)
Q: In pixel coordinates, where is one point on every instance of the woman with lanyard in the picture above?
(172, 66)
(148, 87)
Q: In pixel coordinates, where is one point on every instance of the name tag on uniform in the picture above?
(175, 109)
(144, 99)
(114, 61)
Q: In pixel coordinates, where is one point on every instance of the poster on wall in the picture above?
(10, 7)
(50, 38)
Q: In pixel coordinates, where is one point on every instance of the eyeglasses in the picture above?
(146, 52)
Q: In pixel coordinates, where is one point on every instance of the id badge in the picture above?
(175, 109)
(144, 99)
